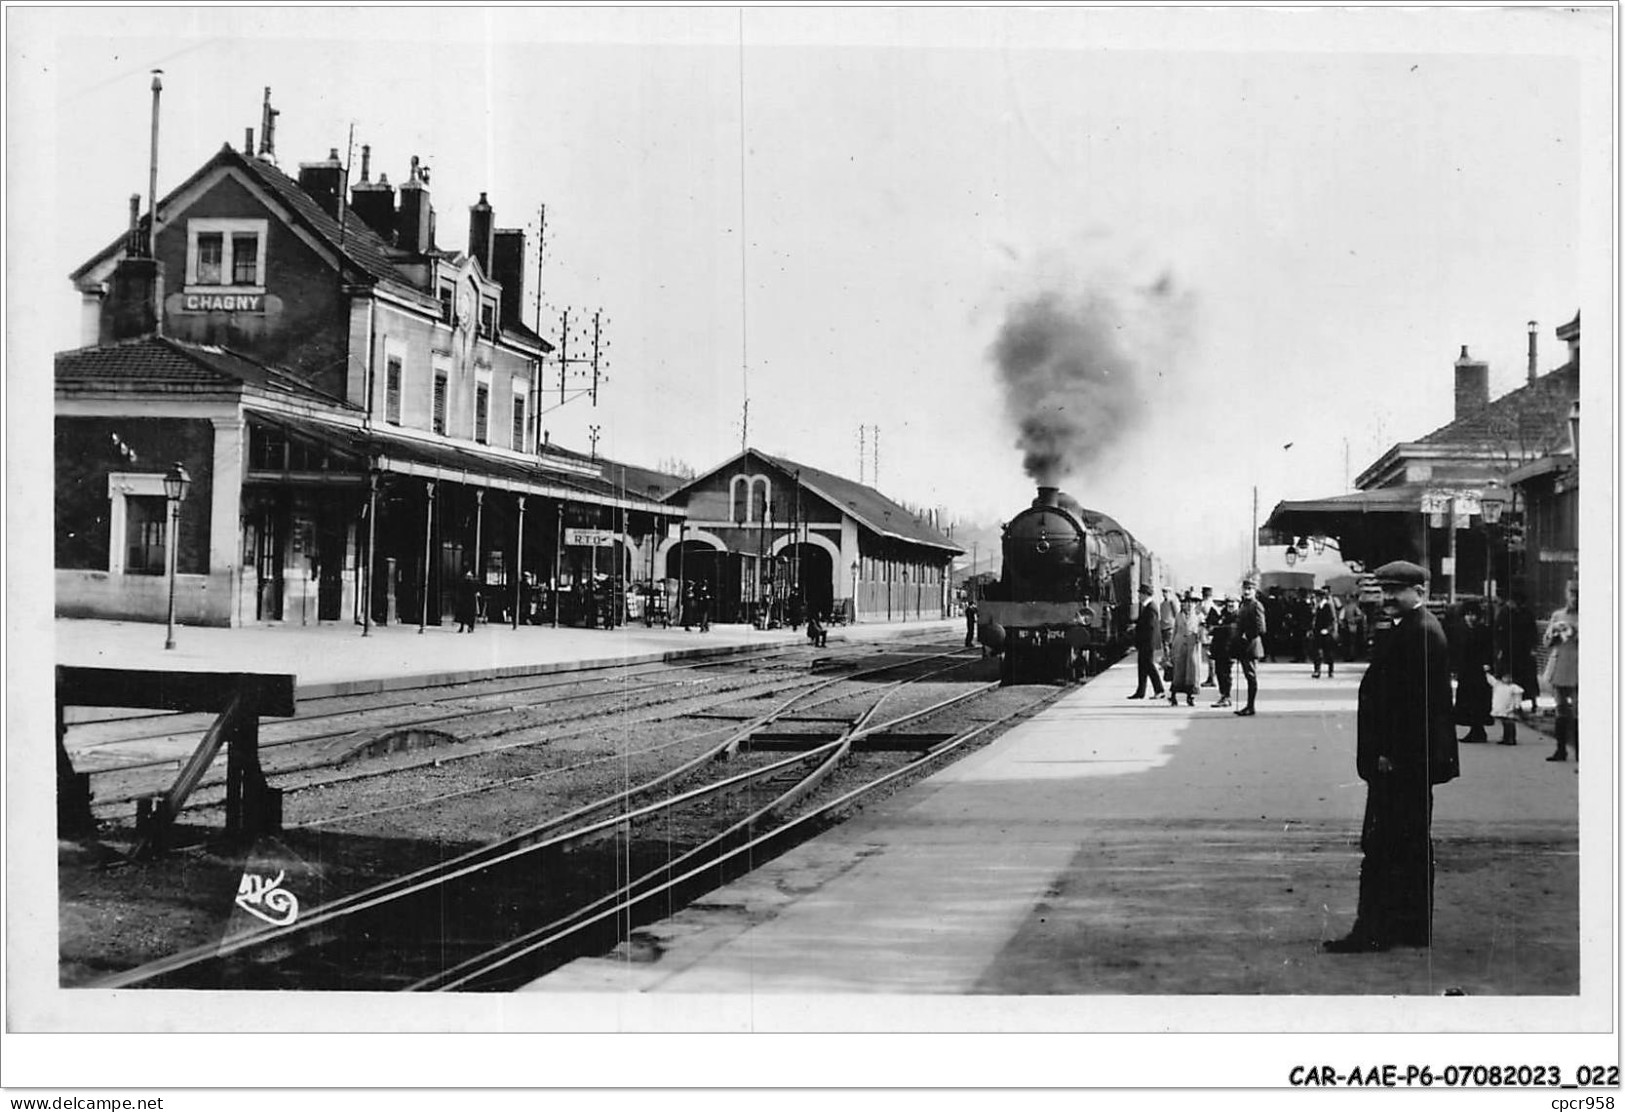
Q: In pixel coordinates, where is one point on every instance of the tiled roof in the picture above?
(1531, 420)
(873, 509)
(360, 244)
(354, 239)
(162, 364)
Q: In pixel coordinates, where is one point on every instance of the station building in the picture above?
(773, 538)
(356, 408)
(1487, 503)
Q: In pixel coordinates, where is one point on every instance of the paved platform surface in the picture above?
(1119, 847)
(334, 658)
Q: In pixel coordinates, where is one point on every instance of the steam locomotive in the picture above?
(1063, 608)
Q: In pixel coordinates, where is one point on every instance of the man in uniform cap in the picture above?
(1251, 626)
(1147, 637)
(1405, 744)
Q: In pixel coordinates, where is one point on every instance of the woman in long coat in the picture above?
(1475, 654)
(1563, 673)
(1186, 649)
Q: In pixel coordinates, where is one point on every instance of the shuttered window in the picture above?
(392, 392)
(440, 404)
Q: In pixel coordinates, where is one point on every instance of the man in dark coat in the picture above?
(1251, 629)
(1405, 744)
(1147, 639)
(1323, 633)
(1515, 639)
(1273, 607)
(1224, 639)
(1473, 650)
(468, 603)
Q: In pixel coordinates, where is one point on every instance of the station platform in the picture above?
(334, 658)
(1114, 848)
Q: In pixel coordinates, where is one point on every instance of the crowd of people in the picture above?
(1408, 709)
(1197, 639)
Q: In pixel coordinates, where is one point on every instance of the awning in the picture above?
(1338, 514)
(402, 455)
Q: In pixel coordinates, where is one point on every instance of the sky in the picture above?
(1172, 256)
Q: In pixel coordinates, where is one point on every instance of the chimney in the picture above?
(480, 219)
(131, 307)
(374, 201)
(1534, 366)
(1048, 496)
(324, 182)
(415, 218)
(268, 117)
(1472, 384)
(508, 267)
(133, 240)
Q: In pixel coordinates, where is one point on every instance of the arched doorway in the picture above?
(815, 575)
(692, 563)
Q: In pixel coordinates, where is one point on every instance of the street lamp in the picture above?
(854, 592)
(1291, 555)
(175, 484)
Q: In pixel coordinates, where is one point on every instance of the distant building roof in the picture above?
(1528, 422)
(867, 506)
(639, 482)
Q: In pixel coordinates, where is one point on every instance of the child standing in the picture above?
(1505, 697)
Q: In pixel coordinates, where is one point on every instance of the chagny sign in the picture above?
(223, 302)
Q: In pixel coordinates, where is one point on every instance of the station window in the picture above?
(482, 412)
(445, 304)
(144, 535)
(518, 423)
(488, 318)
(440, 402)
(245, 260)
(210, 251)
(228, 253)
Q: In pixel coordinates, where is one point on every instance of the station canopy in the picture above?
(1360, 523)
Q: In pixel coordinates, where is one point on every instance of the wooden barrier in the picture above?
(238, 698)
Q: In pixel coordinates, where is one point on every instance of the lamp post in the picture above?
(854, 592)
(1491, 508)
(373, 476)
(176, 483)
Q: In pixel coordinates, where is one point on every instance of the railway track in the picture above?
(505, 912)
(340, 733)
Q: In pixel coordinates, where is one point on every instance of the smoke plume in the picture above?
(1074, 369)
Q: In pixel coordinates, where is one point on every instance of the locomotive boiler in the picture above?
(1061, 607)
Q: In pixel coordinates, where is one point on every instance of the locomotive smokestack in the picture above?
(1048, 496)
